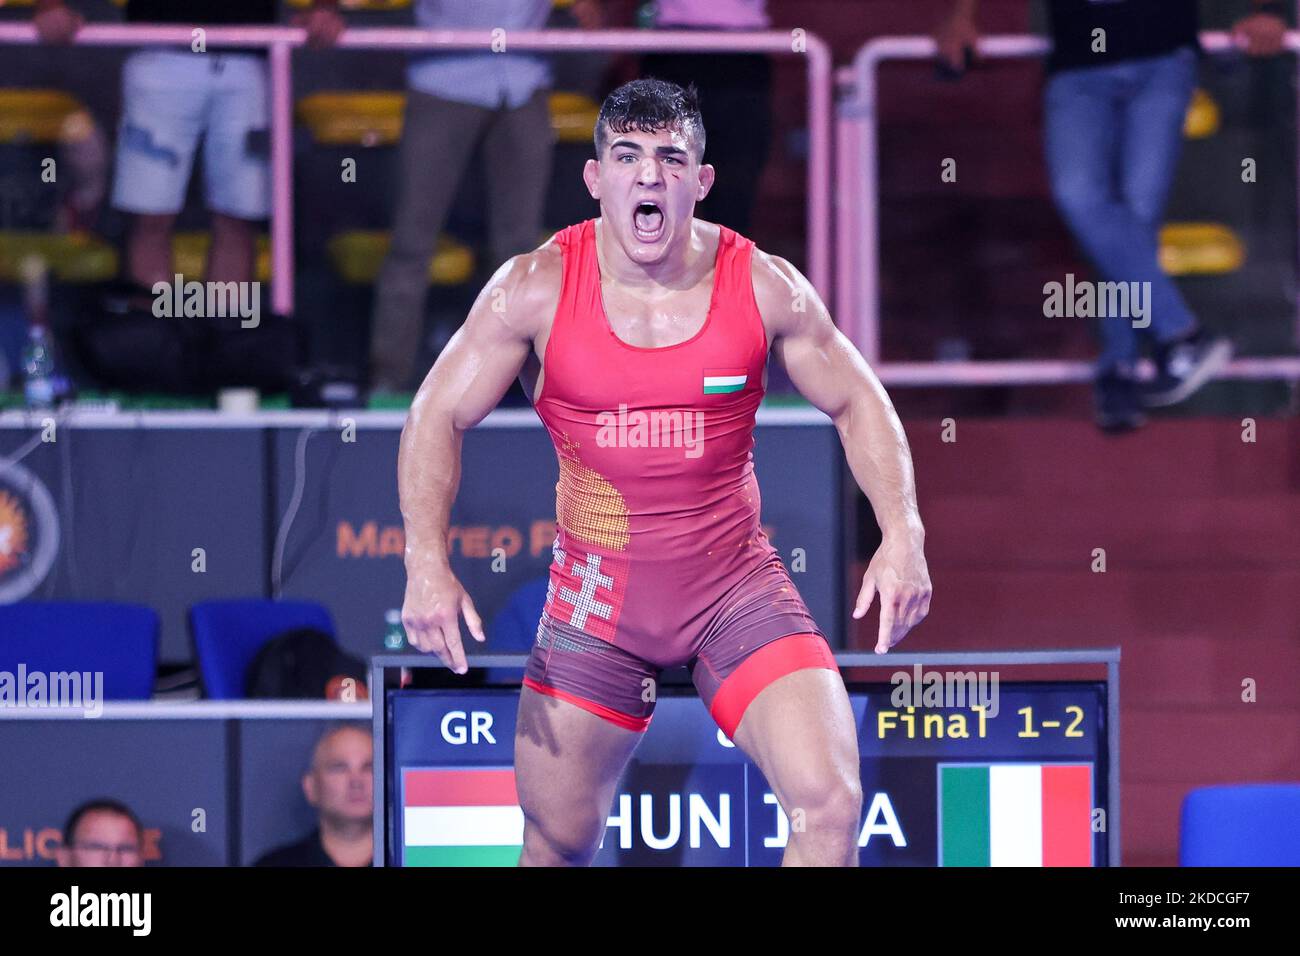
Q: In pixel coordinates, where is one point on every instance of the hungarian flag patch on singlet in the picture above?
(720, 380)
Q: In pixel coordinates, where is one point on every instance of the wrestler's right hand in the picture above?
(431, 612)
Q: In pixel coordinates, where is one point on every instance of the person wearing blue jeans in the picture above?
(1120, 77)
(1112, 136)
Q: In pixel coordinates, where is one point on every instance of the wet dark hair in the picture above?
(100, 805)
(650, 105)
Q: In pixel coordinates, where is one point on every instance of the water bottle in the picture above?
(38, 368)
(43, 385)
(394, 633)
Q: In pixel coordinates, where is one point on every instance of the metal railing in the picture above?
(200, 710)
(858, 228)
(280, 41)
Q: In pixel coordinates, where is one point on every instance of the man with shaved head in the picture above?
(340, 786)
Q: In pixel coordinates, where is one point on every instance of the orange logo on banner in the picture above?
(13, 532)
(29, 532)
(587, 505)
(43, 844)
(371, 540)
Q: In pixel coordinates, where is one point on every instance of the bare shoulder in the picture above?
(525, 291)
(786, 299)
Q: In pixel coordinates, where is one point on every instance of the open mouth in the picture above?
(648, 221)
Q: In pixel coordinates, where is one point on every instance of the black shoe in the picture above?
(1119, 405)
(1184, 365)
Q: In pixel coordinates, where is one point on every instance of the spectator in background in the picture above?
(171, 98)
(735, 99)
(515, 626)
(102, 833)
(456, 101)
(1113, 128)
(340, 785)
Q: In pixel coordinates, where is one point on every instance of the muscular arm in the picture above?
(466, 382)
(834, 377)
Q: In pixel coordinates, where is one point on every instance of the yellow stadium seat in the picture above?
(370, 4)
(1202, 118)
(359, 4)
(357, 256)
(344, 119)
(41, 116)
(1200, 248)
(71, 257)
(190, 256)
(573, 116)
(374, 118)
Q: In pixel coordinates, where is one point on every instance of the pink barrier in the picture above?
(858, 236)
(282, 40)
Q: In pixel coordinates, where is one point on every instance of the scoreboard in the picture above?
(1024, 782)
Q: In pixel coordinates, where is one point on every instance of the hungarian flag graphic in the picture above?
(720, 380)
(1017, 814)
(461, 818)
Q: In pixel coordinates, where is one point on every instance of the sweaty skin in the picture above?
(655, 285)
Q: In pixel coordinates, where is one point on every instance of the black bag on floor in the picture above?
(125, 346)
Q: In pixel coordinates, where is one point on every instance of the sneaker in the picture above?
(1119, 405)
(1184, 365)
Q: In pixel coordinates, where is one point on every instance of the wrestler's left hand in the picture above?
(897, 573)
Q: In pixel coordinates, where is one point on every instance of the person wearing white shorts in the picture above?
(173, 103)
(175, 100)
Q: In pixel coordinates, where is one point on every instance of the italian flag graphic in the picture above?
(719, 380)
(1015, 814)
(461, 818)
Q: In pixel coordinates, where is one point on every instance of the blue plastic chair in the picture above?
(119, 640)
(515, 626)
(514, 629)
(228, 634)
(1255, 824)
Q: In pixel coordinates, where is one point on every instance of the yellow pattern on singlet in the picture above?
(587, 506)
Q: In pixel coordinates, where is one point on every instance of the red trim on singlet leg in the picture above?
(626, 721)
(783, 656)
